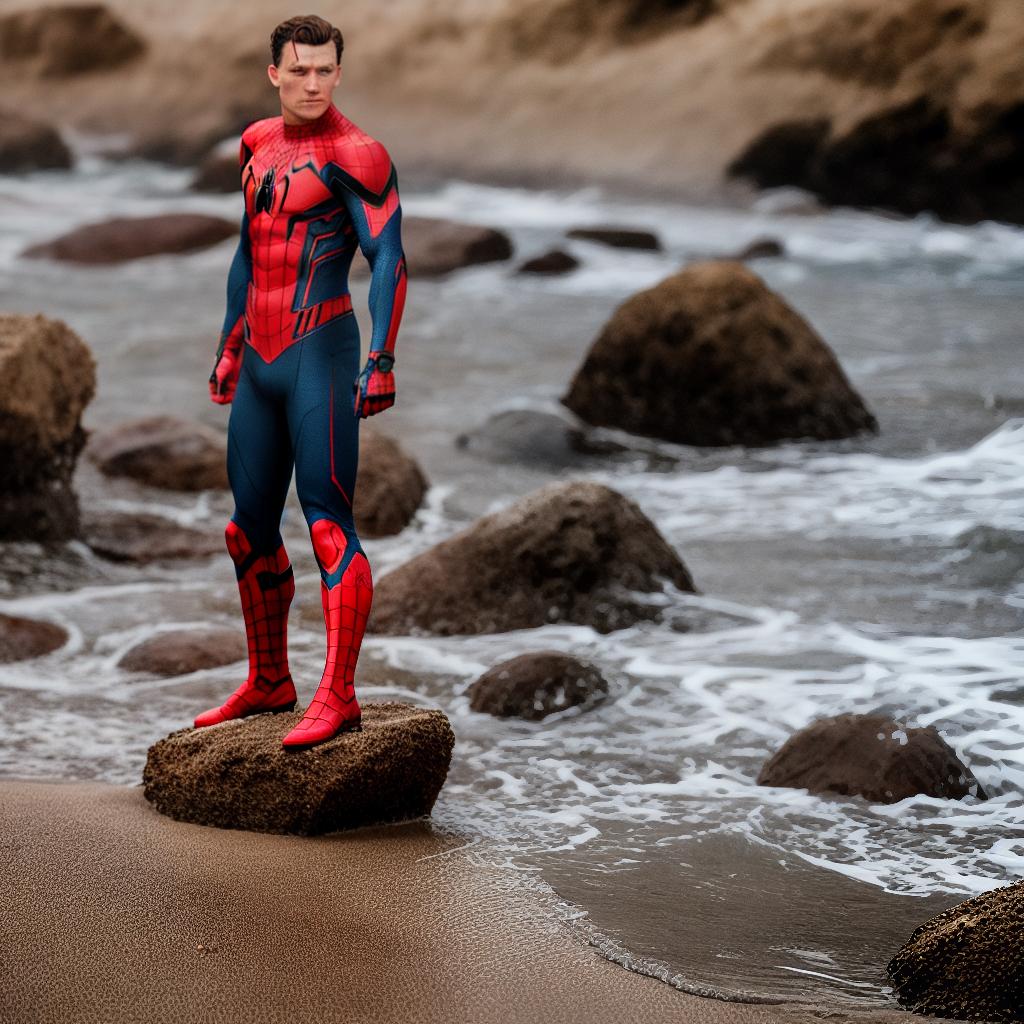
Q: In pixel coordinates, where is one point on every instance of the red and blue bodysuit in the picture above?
(288, 362)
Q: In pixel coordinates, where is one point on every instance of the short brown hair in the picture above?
(308, 29)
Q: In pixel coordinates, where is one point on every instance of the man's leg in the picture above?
(259, 469)
(326, 438)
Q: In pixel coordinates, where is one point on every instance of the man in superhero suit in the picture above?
(315, 187)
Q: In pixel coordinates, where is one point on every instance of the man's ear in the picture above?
(275, 78)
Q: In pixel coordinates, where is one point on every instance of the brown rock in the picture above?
(434, 247)
(874, 44)
(711, 356)
(218, 173)
(570, 552)
(26, 638)
(870, 756)
(27, 145)
(557, 31)
(49, 376)
(237, 774)
(389, 486)
(180, 651)
(553, 262)
(535, 685)
(59, 40)
(618, 238)
(141, 538)
(162, 451)
(968, 962)
(130, 238)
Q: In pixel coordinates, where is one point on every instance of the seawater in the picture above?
(878, 573)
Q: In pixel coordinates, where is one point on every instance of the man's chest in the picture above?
(287, 181)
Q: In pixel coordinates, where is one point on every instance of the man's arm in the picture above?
(377, 218)
(228, 362)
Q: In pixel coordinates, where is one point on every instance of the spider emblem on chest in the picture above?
(264, 200)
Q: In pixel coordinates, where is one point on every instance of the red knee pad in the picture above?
(238, 544)
(328, 543)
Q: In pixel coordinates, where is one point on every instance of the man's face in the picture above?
(305, 77)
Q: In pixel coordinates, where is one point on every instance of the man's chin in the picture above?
(310, 111)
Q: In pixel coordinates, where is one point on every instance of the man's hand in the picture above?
(374, 388)
(224, 378)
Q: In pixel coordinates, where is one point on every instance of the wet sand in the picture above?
(109, 911)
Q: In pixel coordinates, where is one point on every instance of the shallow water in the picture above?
(879, 573)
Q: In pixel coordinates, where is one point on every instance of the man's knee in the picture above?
(238, 544)
(329, 544)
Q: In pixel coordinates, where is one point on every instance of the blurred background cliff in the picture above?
(905, 104)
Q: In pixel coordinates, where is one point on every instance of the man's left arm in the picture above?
(376, 215)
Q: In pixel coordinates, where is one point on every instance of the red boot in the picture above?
(266, 587)
(346, 604)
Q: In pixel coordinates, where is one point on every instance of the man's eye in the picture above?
(324, 72)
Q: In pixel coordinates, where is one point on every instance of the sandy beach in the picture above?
(109, 911)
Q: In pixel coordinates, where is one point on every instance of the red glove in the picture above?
(226, 368)
(374, 388)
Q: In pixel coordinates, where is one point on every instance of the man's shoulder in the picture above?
(260, 130)
(360, 156)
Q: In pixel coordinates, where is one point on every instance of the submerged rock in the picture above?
(131, 238)
(870, 756)
(389, 486)
(49, 377)
(618, 238)
(237, 774)
(162, 451)
(27, 145)
(711, 356)
(535, 685)
(181, 651)
(569, 552)
(21, 639)
(60, 40)
(534, 437)
(968, 962)
(553, 262)
(141, 537)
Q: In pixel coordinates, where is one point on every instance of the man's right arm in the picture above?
(228, 362)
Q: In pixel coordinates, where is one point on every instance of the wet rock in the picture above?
(130, 238)
(619, 238)
(390, 486)
(968, 962)
(181, 651)
(535, 685)
(870, 756)
(21, 639)
(237, 774)
(553, 262)
(569, 552)
(218, 173)
(711, 356)
(162, 451)
(141, 537)
(60, 40)
(434, 247)
(760, 249)
(49, 376)
(27, 145)
(535, 438)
